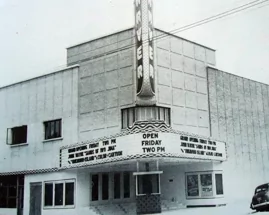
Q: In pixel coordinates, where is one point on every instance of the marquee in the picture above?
(147, 144)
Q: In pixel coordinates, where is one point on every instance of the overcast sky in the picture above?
(34, 34)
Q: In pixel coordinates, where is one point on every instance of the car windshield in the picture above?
(261, 188)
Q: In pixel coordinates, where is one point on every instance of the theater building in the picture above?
(140, 121)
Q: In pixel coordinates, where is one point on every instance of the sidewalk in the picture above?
(237, 208)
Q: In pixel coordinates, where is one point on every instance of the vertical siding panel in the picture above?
(41, 90)
(214, 123)
(229, 119)
(49, 98)
(266, 111)
(252, 96)
(75, 105)
(67, 93)
(67, 106)
(265, 142)
(242, 121)
(24, 104)
(236, 120)
(249, 125)
(256, 128)
(58, 96)
(244, 129)
(15, 105)
(10, 105)
(221, 106)
(32, 101)
(262, 142)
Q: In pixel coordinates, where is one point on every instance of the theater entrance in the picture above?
(148, 192)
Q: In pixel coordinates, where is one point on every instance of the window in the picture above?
(105, 187)
(95, 187)
(53, 129)
(148, 184)
(117, 185)
(48, 200)
(8, 191)
(262, 188)
(192, 185)
(69, 193)
(17, 135)
(204, 184)
(219, 184)
(59, 193)
(131, 115)
(126, 185)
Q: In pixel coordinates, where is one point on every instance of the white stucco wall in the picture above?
(173, 182)
(8, 211)
(82, 191)
(31, 103)
(182, 81)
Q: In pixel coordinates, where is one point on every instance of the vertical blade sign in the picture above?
(150, 38)
(139, 48)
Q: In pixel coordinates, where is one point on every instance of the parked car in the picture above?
(260, 200)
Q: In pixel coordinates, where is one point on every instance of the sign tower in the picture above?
(145, 72)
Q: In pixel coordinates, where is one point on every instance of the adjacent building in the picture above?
(140, 121)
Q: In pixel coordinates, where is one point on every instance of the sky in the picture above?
(34, 34)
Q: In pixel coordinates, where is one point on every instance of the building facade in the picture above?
(140, 121)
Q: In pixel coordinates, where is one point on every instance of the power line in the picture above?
(183, 28)
(224, 14)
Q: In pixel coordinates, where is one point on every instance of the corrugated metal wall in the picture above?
(239, 116)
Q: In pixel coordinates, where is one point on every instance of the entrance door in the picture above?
(148, 195)
(35, 198)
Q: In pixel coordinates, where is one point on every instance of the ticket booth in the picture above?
(148, 190)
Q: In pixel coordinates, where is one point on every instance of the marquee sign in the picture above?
(144, 48)
(141, 145)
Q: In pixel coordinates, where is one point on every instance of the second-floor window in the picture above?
(131, 115)
(53, 129)
(17, 135)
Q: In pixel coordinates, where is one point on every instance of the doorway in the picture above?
(35, 198)
(148, 194)
(110, 186)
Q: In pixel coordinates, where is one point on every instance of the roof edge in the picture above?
(100, 37)
(184, 39)
(40, 76)
(126, 29)
(249, 79)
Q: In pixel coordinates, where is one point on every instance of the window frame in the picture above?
(214, 175)
(111, 187)
(214, 188)
(10, 136)
(7, 197)
(61, 129)
(137, 184)
(53, 206)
